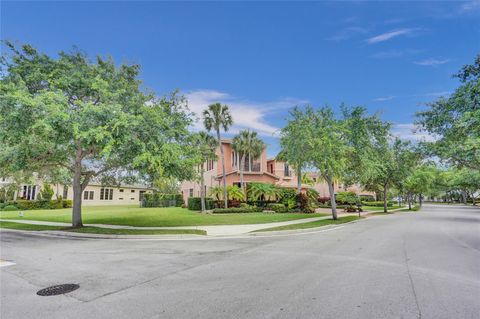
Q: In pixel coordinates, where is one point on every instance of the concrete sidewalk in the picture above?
(213, 230)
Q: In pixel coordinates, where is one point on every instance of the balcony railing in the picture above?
(255, 167)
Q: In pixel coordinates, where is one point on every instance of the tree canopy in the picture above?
(89, 117)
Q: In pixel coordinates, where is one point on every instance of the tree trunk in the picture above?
(464, 197)
(420, 199)
(385, 206)
(77, 195)
(222, 156)
(202, 188)
(409, 198)
(299, 180)
(331, 190)
(242, 184)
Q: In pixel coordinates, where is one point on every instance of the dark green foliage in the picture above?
(194, 203)
(367, 198)
(378, 203)
(237, 210)
(305, 204)
(312, 194)
(40, 204)
(277, 207)
(47, 192)
(162, 200)
(10, 208)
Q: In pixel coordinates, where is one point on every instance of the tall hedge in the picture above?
(40, 204)
(194, 203)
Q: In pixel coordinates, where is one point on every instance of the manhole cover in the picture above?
(57, 290)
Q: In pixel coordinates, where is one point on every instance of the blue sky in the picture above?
(263, 58)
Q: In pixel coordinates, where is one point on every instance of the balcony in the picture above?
(255, 167)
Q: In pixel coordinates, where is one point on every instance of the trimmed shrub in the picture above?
(67, 203)
(41, 204)
(378, 203)
(194, 203)
(305, 204)
(277, 207)
(367, 198)
(9, 208)
(236, 210)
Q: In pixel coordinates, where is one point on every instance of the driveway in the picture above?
(408, 265)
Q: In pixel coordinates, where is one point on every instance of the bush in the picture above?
(277, 208)
(47, 192)
(312, 194)
(9, 208)
(67, 203)
(236, 210)
(324, 200)
(305, 204)
(347, 198)
(194, 203)
(367, 198)
(378, 203)
(41, 204)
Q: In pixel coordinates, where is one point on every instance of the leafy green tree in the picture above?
(90, 118)
(205, 145)
(455, 121)
(364, 134)
(419, 183)
(167, 185)
(46, 192)
(247, 145)
(467, 181)
(328, 147)
(294, 144)
(216, 117)
(393, 164)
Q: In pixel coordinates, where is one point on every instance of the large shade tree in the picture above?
(294, 144)
(328, 147)
(215, 118)
(249, 147)
(89, 117)
(455, 121)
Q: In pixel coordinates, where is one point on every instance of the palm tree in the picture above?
(266, 190)
(235, 193)
(215, 117)
(217, 192)
(247, 143)
(205, 145)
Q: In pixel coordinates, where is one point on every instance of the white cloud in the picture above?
(382, 99)
(389, 35)
(411, 132)
(470, 6)
(432, 62)
(347, 33)
(246, 114)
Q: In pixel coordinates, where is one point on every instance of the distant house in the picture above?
(95, 194)
(255, 170)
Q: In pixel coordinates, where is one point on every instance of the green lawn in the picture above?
(97, 230)
(135, 216)
(318, 223)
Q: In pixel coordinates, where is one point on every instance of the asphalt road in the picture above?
(409, 265)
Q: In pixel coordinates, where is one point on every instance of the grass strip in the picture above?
(318, 223)
(98, 230)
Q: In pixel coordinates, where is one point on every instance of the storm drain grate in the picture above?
(57, 290)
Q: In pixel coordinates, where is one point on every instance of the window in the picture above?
(141, 195)
(121, 191)
(190, 192)
(88, 195)
(29, 192)
(234, 159)
(133, 191)
(106, 193)
(209, 165)
(286, 170)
